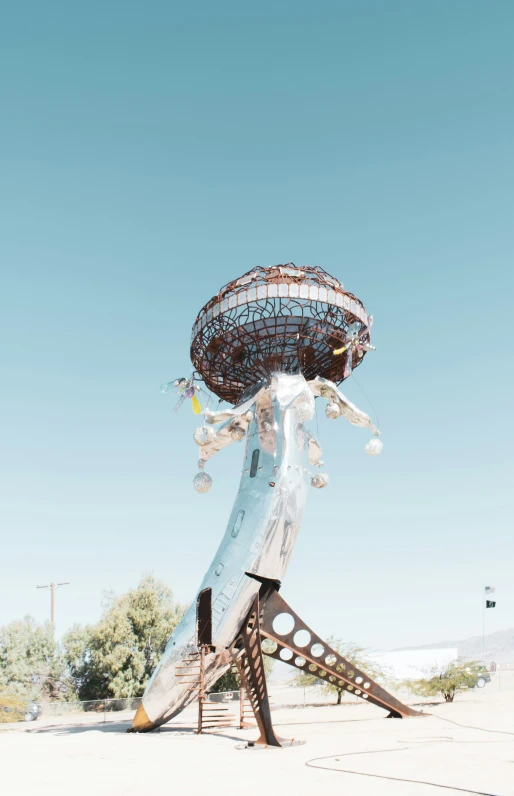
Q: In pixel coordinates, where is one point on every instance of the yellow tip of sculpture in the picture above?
(141, 722)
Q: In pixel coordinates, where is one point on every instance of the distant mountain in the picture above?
(499, 646)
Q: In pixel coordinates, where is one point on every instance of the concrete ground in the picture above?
(467, 746)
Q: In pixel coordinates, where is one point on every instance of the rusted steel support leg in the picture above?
(241, 706)
(309, 653)
(244, 724)
(251, 669)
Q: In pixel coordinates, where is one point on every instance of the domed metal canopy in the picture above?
(280, 318)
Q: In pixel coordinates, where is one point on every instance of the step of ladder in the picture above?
(189, 671)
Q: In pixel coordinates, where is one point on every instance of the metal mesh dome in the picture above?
(281, 318)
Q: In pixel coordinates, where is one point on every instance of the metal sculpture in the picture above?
(270, 343)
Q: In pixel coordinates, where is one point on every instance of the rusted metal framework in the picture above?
(253, 677)
(277, 319)
(297, 645)
(300, 647)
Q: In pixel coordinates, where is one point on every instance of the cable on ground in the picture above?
(311, 763)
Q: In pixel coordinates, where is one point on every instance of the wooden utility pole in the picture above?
(53, 587)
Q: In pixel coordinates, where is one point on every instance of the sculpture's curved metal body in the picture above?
(280, 452)
(260, 534)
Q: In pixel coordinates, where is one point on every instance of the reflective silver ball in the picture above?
(319, 481)
(373, 447)
(204, 435)
(202, 482)
(304, 406)
(333, 411)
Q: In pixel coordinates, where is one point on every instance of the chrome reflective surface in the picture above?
(260, 534)
(262, 528)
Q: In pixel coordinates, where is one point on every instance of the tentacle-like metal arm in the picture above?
(328, 390)
(232, 430)
(213, 418)
(234, 423)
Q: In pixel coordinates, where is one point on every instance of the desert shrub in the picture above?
(12, 707)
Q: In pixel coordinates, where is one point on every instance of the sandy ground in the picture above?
(467, 746)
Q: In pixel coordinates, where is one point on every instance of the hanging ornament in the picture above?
(354, 342)
(304, 406)
(374, 447)
(333, 411)
(204, 435)
(202, 482)
(186, 388)
(319, 481)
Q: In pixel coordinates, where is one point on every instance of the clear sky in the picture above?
(150, 152)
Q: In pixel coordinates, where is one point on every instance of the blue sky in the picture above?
(151, 153)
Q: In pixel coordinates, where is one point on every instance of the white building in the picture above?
(414, 664)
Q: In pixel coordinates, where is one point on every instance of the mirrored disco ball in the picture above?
(204, 435)
(373, 447)
(319, 481)
(202, 482)
(333, 411)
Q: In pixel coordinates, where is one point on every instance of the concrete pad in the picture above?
(465, 746)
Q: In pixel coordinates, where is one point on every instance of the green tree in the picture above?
(230, 681)
(360, 657)
(30, 661)
(116, 657)
(457, 676)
